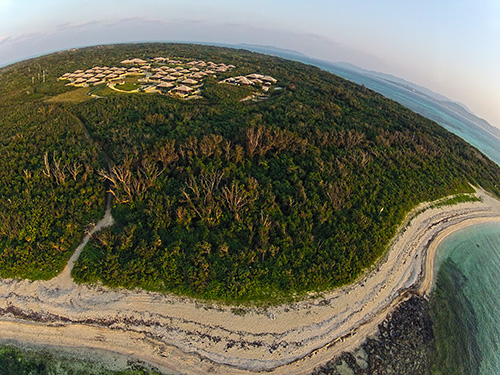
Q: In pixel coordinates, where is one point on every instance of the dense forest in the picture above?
(216, 198)
(49, 187)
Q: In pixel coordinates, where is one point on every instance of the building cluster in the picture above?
(253, 79)
(163, 75)
(181, 79)
(98, 75)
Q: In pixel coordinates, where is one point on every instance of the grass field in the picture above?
(75, 96)
(128, 86)
(102, 90)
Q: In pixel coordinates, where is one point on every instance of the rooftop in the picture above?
(154, 71)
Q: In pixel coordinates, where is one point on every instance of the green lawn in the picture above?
(75, 96)
(128, 86)
(103, 90)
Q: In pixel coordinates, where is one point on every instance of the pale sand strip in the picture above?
(192, 337)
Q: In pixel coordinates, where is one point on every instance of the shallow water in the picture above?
(471, 132)
(466, 302)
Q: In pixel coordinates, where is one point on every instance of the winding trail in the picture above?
(64, 280)
(181, 335)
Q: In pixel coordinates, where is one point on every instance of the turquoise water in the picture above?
(477, 136)
(466, 303)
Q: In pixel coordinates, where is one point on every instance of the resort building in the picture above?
(134, 62)
(262, 81)
(269, 79)
(159, 74)
(189, 81)
(182, 91)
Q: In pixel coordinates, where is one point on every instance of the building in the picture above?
(269, 79)
(189, 81)
(244, 81)
(181, 91)
(94, 81)
(165, 77)
(169, 78)
(134, 62)
(255, 76)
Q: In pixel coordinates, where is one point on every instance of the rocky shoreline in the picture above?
(402, 345)
(182, 335)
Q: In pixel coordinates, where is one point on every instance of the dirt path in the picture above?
(193, 337)
(64, 280)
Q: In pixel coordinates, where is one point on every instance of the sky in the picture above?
(449, 46)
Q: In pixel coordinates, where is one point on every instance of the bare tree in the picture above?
(253, 138)
(239, 153)
(202, 196)
(209, 145)
(122, 179)
(227, 149)
(57, 170)
(46, 171)
(237, 197)
(361, 157)
(74, 169)
(150, 172)
(337, 194)
(167, 154)
(190, 147)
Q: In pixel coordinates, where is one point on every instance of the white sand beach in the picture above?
(181, 335)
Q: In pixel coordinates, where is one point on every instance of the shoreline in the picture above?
(187, 336)
(427, 282)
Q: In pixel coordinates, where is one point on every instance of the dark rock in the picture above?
(401, 347)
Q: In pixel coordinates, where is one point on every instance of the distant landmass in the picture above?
(455, 106)
(270, 50)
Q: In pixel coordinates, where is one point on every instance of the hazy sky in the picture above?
(449, 46)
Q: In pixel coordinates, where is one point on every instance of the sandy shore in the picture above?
(180, 335)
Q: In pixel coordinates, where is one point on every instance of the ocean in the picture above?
(465, 304)
(451, 120)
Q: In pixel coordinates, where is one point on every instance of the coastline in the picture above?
(181, 335)
(428, 279)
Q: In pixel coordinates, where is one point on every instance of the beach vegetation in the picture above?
(459, 198)
(17, 361)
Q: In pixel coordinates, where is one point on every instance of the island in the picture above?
(269, 225)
